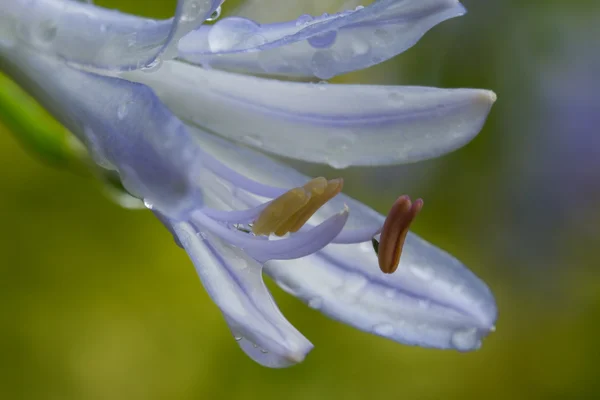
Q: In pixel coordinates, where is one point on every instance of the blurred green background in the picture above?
(97, 302)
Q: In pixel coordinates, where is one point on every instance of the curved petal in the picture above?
(432, 300)
(323, 46)
(234, 282)
(123, 125)
(89, 35)
(340, 125)
(295, 246)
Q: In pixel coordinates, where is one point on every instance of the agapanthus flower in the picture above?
(164, 105)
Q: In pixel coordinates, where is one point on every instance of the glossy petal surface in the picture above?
(322, 46)
(86, 34)
(432, 300)
(340, 125)
(234, 282)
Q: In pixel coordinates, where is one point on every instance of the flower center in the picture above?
(290, 211)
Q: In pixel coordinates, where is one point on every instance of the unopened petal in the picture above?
(89, 35)
(322, 46)
(340, 125)
(234, 282)
(432, 300)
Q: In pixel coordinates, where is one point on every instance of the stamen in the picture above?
(289, 212)
(395, 229)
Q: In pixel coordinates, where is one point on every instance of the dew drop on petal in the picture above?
(424, 304)
(383, 329)
(323, 40)
(383, 38)
(354, 283)
(304, 20)
(153, 66)
(360, 47)
(234, 33)
(215, 15)
(465, 340)
(47, 31)
(191, 11)
(122, 110)
(324, 64)
(396, 97)
(315, 303)
(423, 273)
(147, 204)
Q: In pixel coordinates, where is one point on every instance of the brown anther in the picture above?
(290, 211)
(394, 232)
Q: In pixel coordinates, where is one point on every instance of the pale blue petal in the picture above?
(234, 282)
(323, 46)
(340, 125)
(432, 300)
(94, 36)
(123, 124)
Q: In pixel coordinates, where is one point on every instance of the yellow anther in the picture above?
(290, 211)
(332, 188)
(279, 210)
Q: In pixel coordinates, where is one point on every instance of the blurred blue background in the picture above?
(96, 301)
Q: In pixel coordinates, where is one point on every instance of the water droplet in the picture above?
(383, 329)
(304, 20)
(234, 33)
(358, 8)
(324, 64)
(153, 66)
(263, 351)
(465, 340)
(323, 40)
(47, 31)
(316, 303)
(255, 345)
(382, 37)
(122, 110)
(366, 247)
(191, 11)
(354, 283)
(238, 337)
(341, 143)
(287, 288)
(360, 47)
(458, 289)
(147, 204)
(202, 235)
(396, 97)
(423, 273)
(215, 15)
